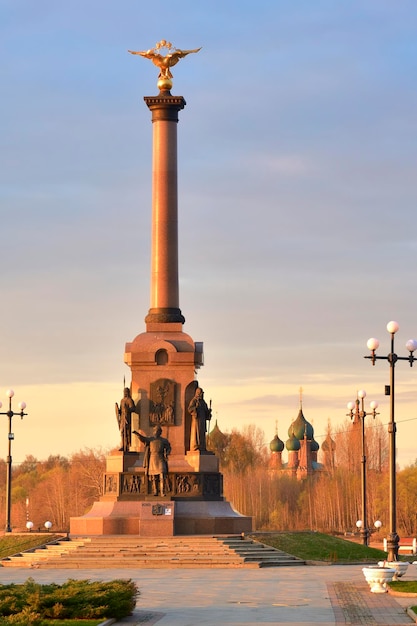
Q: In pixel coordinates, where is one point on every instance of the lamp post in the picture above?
(357, 413)
(392, 358)
(10, 413)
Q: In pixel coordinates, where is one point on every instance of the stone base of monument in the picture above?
(146, 519)
(161, 518)
(209, 518)
(193, 503)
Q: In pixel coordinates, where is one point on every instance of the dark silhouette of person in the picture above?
(200, 414)
(155, 461)
(124, 419)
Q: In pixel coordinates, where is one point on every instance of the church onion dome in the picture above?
(276, 444)
(216, 430)
(328, 445)
(301, 428)
(293, 444)
(314, 446)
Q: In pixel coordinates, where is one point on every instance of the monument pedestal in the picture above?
(210, 518)
(193, 504)
(161, 518)
(146, 519)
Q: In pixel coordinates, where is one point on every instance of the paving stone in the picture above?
(288, 596)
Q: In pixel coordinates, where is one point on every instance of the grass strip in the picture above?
(13, 544)
(315, 546)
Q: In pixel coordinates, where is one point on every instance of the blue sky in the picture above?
(297, 196)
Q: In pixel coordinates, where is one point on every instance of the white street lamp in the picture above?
(358, 413)
(10, 413)
(373, 345)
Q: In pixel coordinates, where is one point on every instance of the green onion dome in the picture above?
(314, 446)
(328, 445)
(276, 444)
(301, 428)
(293, 444)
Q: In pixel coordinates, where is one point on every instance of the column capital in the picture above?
(165, 107)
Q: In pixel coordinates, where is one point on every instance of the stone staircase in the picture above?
(114, 552)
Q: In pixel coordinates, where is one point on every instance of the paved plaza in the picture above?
(326, 595)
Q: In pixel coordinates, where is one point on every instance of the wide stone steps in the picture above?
(106, 552)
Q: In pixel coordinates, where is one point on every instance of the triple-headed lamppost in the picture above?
(357, 411)
(392, 358)
(10, 413)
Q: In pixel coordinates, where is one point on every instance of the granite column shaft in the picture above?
(164, 305)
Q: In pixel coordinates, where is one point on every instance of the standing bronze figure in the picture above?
(124, 419)
(200, 415)
(155, 461)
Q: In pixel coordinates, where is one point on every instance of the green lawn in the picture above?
(313, 546)
(71, 622)
(13, 543)
(405, 586)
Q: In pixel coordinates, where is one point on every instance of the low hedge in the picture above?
(31, 603)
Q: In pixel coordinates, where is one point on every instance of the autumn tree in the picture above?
(407, 500)
(54, 489)
(328, 500)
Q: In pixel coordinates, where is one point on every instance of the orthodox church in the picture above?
(302, 449)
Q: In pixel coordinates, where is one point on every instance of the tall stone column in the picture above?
(163, 362)
(164, 306)
(164, 357)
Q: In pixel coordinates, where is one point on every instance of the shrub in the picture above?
(74, 599)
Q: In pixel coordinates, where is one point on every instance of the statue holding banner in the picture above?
(124, 419)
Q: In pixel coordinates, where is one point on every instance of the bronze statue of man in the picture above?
(155, 461)
(200, 415)
(124, 419)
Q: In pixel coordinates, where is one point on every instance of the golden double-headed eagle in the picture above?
(164, 62)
